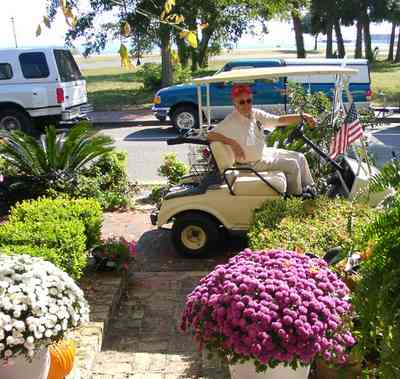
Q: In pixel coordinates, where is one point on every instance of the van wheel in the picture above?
(195, 234)
(185, 117)
(14, 119)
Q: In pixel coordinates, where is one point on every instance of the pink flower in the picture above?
(244, 305)
(125, 266)
(132, 249)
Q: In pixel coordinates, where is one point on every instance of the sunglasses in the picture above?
(247, 101)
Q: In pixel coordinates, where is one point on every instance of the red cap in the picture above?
(239, 89)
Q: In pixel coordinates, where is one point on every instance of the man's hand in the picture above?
(237, 150)
(310, 120)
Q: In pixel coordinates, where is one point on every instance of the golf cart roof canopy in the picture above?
(274, 72)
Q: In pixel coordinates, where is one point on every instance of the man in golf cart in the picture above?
(243, 131)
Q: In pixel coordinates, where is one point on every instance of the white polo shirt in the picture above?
(249, 133)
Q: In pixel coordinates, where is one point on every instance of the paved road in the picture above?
(147, 145)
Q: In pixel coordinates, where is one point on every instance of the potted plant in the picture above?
(114, 253)
(38, 304)
(271, 311)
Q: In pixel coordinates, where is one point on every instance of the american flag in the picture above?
(348, 133)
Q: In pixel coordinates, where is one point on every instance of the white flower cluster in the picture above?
(38, 303)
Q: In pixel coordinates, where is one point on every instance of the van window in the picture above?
(34, 65)
(67, 67)
(5, 71)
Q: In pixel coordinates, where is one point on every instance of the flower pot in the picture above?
(248, 371)
(20, 366)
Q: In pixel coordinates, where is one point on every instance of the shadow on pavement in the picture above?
(156, 253)
(152, 134)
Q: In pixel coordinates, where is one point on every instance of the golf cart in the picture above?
(221, 197)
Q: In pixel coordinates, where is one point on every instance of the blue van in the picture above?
(179, 102)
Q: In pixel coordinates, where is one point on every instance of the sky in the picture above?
(29, 13)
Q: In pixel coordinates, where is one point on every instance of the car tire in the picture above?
(185, 117)
(195, 234)
(14, 119)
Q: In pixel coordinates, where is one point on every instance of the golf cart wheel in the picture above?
(14, 119)
(194, 234)
(185, 117)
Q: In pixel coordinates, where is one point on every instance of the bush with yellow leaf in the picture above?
(313, 226)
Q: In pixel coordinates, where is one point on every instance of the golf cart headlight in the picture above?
(157, 100)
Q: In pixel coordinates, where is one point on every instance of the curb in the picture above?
(120, 124)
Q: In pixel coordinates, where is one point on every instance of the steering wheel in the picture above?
(295, 133)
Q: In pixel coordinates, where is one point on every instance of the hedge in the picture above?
(312, 226)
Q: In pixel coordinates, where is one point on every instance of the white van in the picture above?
(39, 87)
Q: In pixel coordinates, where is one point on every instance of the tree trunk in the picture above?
(195, 60)
(329, 44)
(397, 59)
(183, 52)
(316, 42)
(166, 64)
(367, 39)
(392, 38)
(298, 30)
(339, 39)
(358, 48)
(203, 47)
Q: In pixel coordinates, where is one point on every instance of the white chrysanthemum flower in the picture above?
(7, 353)
(48, 299)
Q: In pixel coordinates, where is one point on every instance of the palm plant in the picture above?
(53, 160)
(389, 176)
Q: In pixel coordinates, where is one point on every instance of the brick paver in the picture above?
(143, 339)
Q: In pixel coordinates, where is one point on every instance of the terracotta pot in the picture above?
(38, 368)
(248, 371)
(350, 371)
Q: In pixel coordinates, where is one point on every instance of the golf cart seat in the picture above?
(246, 182)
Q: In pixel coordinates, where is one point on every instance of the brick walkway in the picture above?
(144, 340)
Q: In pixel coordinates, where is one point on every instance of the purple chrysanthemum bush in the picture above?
(271, 307)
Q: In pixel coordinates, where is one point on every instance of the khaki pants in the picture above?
(292, 163)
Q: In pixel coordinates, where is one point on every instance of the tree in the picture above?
(298, 30)
(393, 16)
(313, 25)
(397, 58)
(391, 44)
(157, 12)
(326, 14)
(292, 10)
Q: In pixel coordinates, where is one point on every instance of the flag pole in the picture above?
(363, 145)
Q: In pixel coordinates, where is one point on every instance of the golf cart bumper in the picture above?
(154, 217)
(160, 113)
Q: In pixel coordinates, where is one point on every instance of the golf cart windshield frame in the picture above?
(245, 75)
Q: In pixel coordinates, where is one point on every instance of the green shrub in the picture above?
(150, 74)
(156, 194)
(107, 181)
(376, 297)
(173, 169)
(313, 225)
(49, 254)
(58, 211)
(66, 238)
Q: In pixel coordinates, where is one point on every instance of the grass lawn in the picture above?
(385, 77)
(114, 88)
